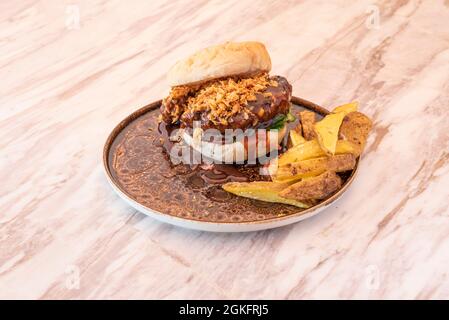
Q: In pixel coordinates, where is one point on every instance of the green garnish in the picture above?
(280, 120)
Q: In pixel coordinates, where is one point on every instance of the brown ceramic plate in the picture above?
(142, 175)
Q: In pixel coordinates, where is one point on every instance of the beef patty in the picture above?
(231, 103)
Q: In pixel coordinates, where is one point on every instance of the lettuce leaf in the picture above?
(280, 120)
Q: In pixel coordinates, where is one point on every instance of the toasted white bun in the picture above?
(237, 151)
(228, 59)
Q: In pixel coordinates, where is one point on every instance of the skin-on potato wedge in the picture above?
(296, 138)
(306, 150)
(347, 108)
(314, 167)
(261, 190)
(327, 131)
(319, 187)
(311, 149)
(307, 119)
(355, 129)
(346, 147)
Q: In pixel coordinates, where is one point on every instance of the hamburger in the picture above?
(227, 88)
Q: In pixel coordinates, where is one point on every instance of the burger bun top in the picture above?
(225, 60)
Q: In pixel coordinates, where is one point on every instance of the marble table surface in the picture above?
(71, 70)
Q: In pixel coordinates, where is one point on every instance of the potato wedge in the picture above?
(309, 150)
(347, 108)
(355, 129)
(314, 167)
(261, 190)
(307, 119)
(327, 131)
(296, 138)
(319, 187)
(346, 147)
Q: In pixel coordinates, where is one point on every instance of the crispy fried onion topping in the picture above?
(220, 99)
